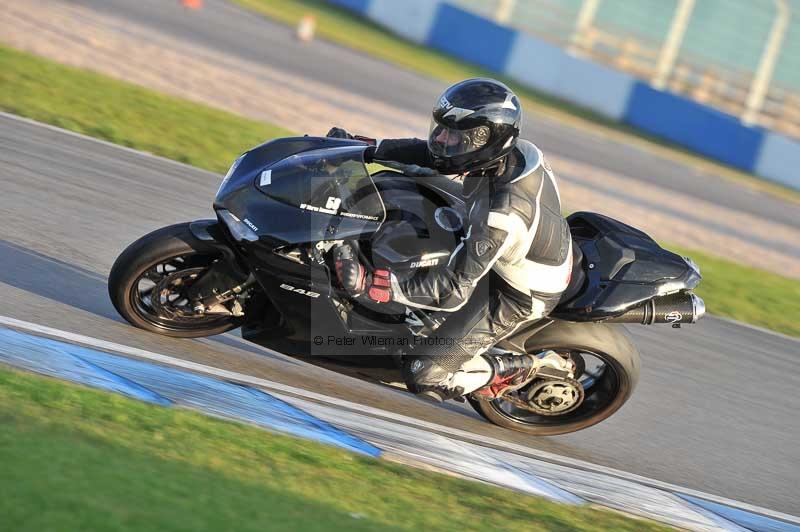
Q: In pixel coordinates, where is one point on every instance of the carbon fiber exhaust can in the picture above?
(675, 309)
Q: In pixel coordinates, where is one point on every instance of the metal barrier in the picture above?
(739, 56)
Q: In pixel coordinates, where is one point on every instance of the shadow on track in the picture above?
(78, 287)
(55, 279)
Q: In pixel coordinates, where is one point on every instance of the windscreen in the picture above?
(332, 181)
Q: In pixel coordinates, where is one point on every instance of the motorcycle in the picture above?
(265, 264)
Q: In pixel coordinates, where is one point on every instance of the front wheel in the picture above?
(148, 281)
(608, 370)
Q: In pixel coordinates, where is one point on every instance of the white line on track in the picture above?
(382, 414)
(81, 136)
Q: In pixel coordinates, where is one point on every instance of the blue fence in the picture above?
(472, 38)
(706, 130)
(611, 93)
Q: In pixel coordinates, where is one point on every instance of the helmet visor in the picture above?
(447, 142)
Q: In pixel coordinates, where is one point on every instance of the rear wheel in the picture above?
(607, 370)
(148, 284)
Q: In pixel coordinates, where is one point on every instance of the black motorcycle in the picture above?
(265, 264)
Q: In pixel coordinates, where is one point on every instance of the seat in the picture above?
(578, 279)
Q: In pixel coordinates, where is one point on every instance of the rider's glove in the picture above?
(380, 286)
(339, 133)
(354, 278)
(351, 273)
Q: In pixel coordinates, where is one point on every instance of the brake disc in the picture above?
(173, 285)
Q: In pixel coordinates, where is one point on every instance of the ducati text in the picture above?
(425, 263)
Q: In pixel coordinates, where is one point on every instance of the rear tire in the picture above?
(155, 248)
(611, 342)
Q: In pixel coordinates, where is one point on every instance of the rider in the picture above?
(510, 268)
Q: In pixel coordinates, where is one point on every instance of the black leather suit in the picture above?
(511, 267)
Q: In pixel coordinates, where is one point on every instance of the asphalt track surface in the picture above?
(716, 408)
(229, 29)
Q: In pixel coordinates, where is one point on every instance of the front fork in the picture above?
(222, 288)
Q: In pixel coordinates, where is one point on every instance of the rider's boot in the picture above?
(511, 366)
(488, 374)
(508, 372)
(425, 377)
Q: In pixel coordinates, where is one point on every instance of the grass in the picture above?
(747, 294)
(80, 459)
(345, 28)
(125, 114)
(208, 138)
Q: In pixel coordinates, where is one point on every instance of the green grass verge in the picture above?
(80, 459)
(343, 27)
(208, 138)
(125, 114)
(747, 294)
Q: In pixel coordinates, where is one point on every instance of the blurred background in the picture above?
(734, 55)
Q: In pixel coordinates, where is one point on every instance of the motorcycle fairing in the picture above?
(622, 268)
(286, 258)
(317, 189)
(332, 181)
(267, 154)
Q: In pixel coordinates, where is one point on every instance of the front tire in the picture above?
(150, 256)
(610, 344)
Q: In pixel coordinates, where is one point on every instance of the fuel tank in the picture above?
(425, 221)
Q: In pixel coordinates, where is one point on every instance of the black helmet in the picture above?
(475, 123)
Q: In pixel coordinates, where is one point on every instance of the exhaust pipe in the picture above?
(675, 309)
